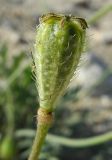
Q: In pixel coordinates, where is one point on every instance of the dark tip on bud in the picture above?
(82, 21)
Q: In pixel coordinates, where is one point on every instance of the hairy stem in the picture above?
(44, 123)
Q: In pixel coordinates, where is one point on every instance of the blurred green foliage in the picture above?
(17, 95)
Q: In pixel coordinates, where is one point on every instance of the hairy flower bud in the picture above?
(58, 47)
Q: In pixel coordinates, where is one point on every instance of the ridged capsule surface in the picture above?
(58, 47)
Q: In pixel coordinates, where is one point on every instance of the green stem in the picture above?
(76, 143)
(44, 123)
(9, 112)
(38, 141)
(100, 13)
(80, 143)
(17, 73)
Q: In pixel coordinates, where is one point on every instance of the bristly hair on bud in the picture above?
(58, 47)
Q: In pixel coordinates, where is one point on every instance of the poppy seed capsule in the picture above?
(58, 47)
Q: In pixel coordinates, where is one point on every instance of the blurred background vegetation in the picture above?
(86, 108)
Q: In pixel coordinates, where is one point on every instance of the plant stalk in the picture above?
(70, 142)
(44, 123)
(9, 112)
(100, 13)
(80, 143)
